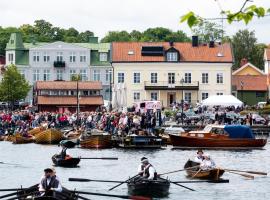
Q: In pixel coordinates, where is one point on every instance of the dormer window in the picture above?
(103, 57)
(172, 56)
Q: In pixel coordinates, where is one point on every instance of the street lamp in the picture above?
(182, 101)
(242, 85)
(110, 74)
(78, 103)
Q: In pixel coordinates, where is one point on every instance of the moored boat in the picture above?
(151, 188)
(70, 162)
(49, 136)
(19, 139)
(36, 130)
(138, 141)
(218, 137)
(96, 139)
(212, 174)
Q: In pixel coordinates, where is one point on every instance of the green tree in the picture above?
(117, 36)
(13, 86)
(84, 36)
(245, 46)
(157, 34)
(135, 35)
(178, 36)
(43, 30)
(76, 77)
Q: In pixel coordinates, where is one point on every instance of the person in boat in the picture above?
(199, 157)
(207, 163)
(64, 154)
(49, 184)
(146, 170)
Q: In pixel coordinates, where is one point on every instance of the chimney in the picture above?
(243, 62)
(171, 43)
(195, 41)
(211, 44)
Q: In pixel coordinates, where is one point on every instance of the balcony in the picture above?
(165, 85)
(59, 64)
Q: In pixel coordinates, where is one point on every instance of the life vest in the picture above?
(146, 173)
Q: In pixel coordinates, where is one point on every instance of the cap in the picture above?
(200, 150)
(144, 159)
(48, 170)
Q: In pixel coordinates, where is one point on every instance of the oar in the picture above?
(205, 181)
(245, 175)
(175, 183)
(102, 158)
(9, 163)
(250, 172)
(123, 182)
(92, 180)
(15, 193)
(196, 173)
(12, 189)
(179, 170)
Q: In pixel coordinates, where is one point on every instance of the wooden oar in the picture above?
(92, 180)
(15, 193)
(123, 182)
(102, 158)
(12, 189)
(205, 181)
(182, 186)
(245, 175)
(250, 172)
(9, 163)
(196, 173)
(179, 170)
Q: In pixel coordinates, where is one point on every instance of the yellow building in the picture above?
(169, 71)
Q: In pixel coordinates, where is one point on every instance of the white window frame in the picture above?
(103, 56)
(188, 96)
(136, 96)
(136, 77)
(188, 77)
(59, 74)
(11, 57)
(205, 79)
(46, 74)
(36, 75)
(83, 74)
(172, 56)
(108, 75)
(154, 94)
(153, 77)
(205, 95)
(35, 56)
(220, 78)
(83, 57)
(120, 77)
(59, 56)
(96, 75)
(171, 77)
(72, 72)
(46, 57)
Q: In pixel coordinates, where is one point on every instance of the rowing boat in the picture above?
(70, 162)
(153, 188)
(36, 130)
(96, 140)
(212, 174)
(49, 136)
(19, 139)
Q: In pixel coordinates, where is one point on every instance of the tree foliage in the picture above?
(245, 46)
(13, 86)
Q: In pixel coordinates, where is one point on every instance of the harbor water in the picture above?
(27, 162)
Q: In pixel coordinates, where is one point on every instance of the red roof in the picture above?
(250, 82)
(68, 85)
(69, 100)
(122, 52)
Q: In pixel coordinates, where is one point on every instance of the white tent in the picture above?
(222, 100)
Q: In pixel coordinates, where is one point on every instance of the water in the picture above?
(33, 158)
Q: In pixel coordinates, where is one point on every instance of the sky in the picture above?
(101, 16)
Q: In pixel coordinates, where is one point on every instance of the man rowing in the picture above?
(146, 170)
(63, 154)
(199, 157)
(49, 184)
(207, 163)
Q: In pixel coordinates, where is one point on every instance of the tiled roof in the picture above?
(120, 52)
(250, 83)
(68, 85)
(267, 54)
(69, 100)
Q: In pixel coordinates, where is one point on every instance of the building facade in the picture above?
(60, 61)
(170, 72)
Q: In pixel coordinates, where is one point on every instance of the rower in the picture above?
(49, 184)
(146, 170)
(207, 163)
(64, 154)
(199, 157)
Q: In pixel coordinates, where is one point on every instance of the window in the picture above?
(72, 73)
(46, 57)
(172, 56)
(136, 96)
(10, 57)
(154, 96)
(171, 78)
(59, 56)
(82, 57)
(219, 93)
(46, 75)
(121, 77)
(259, 94)
(136, 77)
(36, 56)
(72, 57)
(36, 75)
(153, 77)
(109, 75)
(188, 96)
(187, 77)
(219, 77)
(204, 78)
(22, 72)
(83, 74)
(103, 57)
(96, 75)
(59, 74)
(204, 95)
(85, 93)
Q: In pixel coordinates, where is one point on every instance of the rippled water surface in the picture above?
(33, 158)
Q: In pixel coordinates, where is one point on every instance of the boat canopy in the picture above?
(239, 131)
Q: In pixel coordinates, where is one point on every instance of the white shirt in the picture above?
(152, 171)
(198, 160)
(207, 164)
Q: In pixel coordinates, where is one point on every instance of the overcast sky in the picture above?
(101, 16)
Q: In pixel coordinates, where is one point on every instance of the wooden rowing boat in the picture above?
(49, 136)
(140, 142)
(218, 137)
(212, 174)
(152, 188)
(19, 139)
(71, 162)
(96, 140)
(36, 130)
